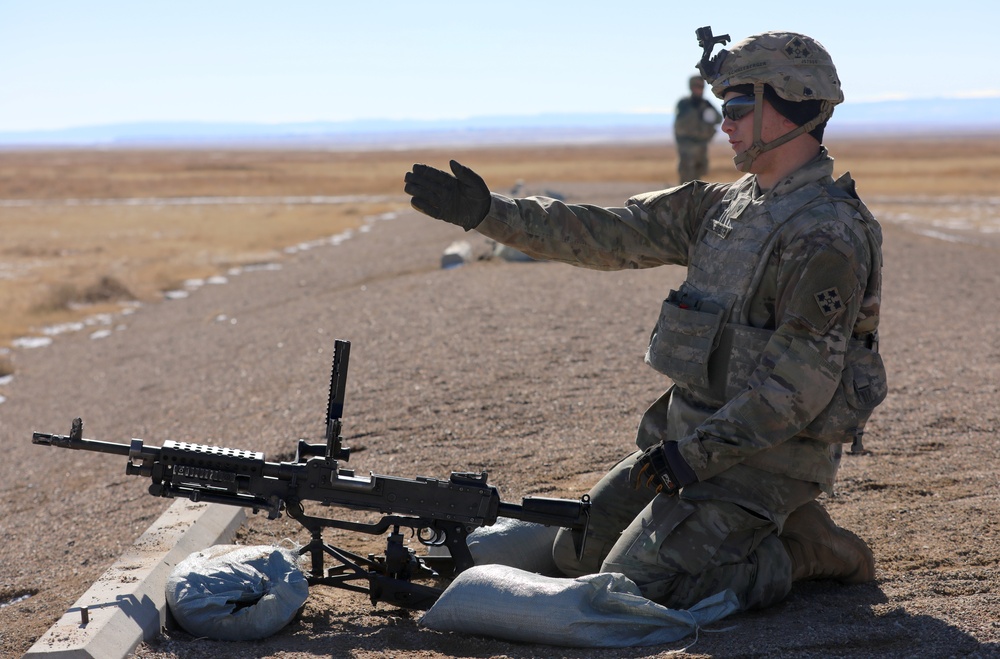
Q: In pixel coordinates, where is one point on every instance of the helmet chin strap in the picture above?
(745, 160)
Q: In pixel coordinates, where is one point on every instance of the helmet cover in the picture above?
(796, 66)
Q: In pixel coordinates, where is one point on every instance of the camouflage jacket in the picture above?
(795, 270)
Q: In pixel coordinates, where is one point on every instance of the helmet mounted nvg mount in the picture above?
(796, 67)
(709, 66)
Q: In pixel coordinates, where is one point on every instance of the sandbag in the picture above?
(597, 610)
(236, 593)
(511, 542)
(515, 543)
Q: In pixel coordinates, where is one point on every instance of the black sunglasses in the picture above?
(737, 107)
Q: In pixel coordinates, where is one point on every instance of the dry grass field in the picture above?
(87, 231)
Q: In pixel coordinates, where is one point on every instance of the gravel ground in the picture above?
(530, 371)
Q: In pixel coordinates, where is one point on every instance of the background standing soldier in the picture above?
(694, 127)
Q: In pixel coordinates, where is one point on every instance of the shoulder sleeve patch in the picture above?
(829, 302)
(823, 291)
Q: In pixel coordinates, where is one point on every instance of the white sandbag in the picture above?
(598, 610)
(456, 254)
(236, 593)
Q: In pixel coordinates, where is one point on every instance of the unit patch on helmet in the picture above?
(797, 49)
(829, 301)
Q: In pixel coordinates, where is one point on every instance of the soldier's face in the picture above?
(740, 131)
(697, 90)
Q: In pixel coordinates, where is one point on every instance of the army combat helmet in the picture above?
(796, 67)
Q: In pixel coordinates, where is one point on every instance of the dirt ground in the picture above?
(534, 373)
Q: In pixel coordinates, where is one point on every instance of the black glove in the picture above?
(662, 469)
(462, 199)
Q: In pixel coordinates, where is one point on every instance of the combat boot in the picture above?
(820, 549)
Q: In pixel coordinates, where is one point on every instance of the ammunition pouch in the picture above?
(862, 387)
(713, 360)
(686, 334)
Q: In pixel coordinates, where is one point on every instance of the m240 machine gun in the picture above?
(438, 512)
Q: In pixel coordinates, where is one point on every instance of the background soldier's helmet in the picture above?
(797, 67)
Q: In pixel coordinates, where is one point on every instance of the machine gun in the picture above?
(439, 512)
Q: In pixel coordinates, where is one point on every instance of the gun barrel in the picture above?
(78, 443)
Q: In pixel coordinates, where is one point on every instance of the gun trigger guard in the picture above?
(430, 537)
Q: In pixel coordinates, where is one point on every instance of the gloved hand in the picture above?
(462, 199)
(662, 469)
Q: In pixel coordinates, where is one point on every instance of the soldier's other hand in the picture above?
(462, 198)
(653, 470)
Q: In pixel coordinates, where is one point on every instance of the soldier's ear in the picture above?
(787, 123)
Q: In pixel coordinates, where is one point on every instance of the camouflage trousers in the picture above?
(717, 534)
(692, 160)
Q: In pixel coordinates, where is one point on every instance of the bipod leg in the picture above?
(316, 548)
(351, 567)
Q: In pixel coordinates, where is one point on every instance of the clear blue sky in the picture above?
(75, 63)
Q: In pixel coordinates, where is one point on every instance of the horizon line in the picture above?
(984, 94)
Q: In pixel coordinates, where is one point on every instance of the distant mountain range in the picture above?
(968, 115)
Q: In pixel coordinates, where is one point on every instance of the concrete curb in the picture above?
(128, 604)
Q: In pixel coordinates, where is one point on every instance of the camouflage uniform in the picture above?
(771, 347)
(694, 127)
